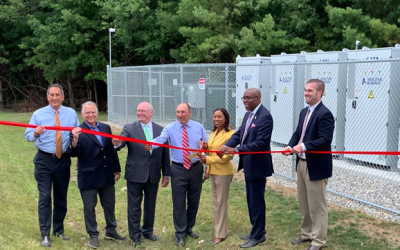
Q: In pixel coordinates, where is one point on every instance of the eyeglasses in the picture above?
(141, 111)
(247, 97)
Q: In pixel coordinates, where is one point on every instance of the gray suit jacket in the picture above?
(140, 164)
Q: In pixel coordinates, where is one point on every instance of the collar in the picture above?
(91, 127)
(256, 109)
(148, 124)
(314, 106)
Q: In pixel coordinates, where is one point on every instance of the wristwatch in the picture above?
(236, 150)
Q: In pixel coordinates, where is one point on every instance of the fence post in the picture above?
(110, 107)
(126, 96)
(227, 87)
(181, 69)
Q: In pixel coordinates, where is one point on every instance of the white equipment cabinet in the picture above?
(287, 94)
(251, 72)
(373, 105)
(321, 65)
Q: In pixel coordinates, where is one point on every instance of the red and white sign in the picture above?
(202, 83)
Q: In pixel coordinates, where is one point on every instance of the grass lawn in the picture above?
(19, 227)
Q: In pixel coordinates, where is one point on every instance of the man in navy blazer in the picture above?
(254, 135)
(98, 169)
(314, 133)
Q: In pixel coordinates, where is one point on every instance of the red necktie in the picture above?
(304, 126)
(185, 145)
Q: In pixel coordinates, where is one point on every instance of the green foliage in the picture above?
(68, 39)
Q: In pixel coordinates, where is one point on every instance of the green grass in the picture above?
(19, 221)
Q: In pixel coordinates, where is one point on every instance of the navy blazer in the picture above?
(258, 138)
(96, 163)
(317, 137)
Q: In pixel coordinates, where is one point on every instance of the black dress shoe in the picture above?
(299, 241)
(180, 242)
(252, 243)
(62, 236)
(93, 242)
(137, 242)
(114, 236)
(246, 237)
(151, 237)
(192, 234)
(45, 241)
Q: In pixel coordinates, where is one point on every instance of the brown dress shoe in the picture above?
(312, 247)
(299, 241)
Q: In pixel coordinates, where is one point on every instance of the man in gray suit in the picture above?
(142, 172)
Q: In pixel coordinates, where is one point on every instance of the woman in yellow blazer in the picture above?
(221, 172)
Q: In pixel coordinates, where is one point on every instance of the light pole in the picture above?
(110, 30)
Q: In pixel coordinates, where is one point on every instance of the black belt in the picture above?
(181, 164)
(51, 154)
(301, 159)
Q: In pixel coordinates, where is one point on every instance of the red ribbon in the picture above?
(88, 131)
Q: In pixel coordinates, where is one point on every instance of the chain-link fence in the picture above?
(363, 96)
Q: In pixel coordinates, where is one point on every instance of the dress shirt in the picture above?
(303, 147)
(173, 133)
(46, 117)
(149, 127)
(97, 130)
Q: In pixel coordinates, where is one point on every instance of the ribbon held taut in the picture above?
(122, 138)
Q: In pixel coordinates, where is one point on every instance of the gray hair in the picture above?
(55, 85)
(89, 103)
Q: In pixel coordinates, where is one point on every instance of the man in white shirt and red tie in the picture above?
(314, 133)
(186, 174)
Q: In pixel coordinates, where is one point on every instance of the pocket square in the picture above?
(253, 125)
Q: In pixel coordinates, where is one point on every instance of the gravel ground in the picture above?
(360, 182)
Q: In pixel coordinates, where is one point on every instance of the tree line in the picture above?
(66, 41)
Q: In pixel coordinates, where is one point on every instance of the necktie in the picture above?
(304, 126)
(147, 134)
(247, 126)
(58, 137)
(185, 144)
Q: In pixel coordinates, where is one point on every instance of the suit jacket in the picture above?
(140, 163)
(317, 137)
(258, 138)
(96, 163)
(216, 165)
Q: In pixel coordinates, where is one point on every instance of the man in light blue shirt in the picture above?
(52, 166)
(186, 183)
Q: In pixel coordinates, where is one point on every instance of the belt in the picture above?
(181, 164)
(301, 159)
(51, 154)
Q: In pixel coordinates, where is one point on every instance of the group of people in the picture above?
(98, 167)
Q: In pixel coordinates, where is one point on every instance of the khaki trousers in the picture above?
(220, 193)
(314, 223)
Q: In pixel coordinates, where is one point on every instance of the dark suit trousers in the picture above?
(107, 200)
(135, 197)
(255, 191)
(51, 173)
(186, 187)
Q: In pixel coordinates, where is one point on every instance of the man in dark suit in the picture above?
(314, 133)
(98, 169)
(254, 135)
(142, 172)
